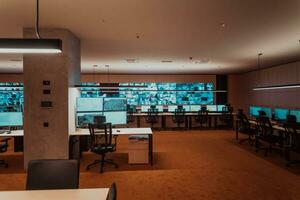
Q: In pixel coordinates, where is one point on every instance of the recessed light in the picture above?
(131, 60)
(223, 25)
(15, 60)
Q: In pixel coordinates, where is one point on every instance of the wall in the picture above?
(242, 96)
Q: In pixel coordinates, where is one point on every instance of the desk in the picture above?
(188, 118)
(124, 131)
(74, 194)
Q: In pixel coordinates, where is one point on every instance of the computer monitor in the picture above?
(115, 104)
(89, 104)
(116, 117)
(171, 108)
(195, 108)
(297, 114)
(220, 108)
(11, 119)
(186, 108)
(268, 111)
(211, 108)
(87, 117)
(145, 108)
(160, 108)
(281, 113)
(254, 111)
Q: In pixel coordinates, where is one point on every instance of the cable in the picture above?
(37, 20)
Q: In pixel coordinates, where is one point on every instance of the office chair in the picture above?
(291, 119)
(112, 193)
(130, 117)
(265, 133)
(202, 117)
(292, 141)
(3, 148)
(103, 147)
(226, 116)
(52, 174)
(179, 116)
(152, 116)
(244, 127)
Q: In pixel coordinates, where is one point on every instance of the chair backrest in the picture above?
(244, 125)
(152, 115)
(291, 119)
(264, 126)
(106, 131)
(52, 174)
(202, 116)
(112, 193)
(292, 136)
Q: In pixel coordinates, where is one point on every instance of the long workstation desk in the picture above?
(212, 118)
(75, 138)
(71, 194)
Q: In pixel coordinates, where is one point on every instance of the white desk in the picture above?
(76, 194)
(123, 131)
(15, 133)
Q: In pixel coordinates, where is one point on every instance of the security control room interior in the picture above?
(150, 99)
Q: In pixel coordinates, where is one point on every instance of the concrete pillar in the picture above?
(62, 71)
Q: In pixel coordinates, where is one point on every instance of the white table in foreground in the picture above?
(74, 194)
(125, 131)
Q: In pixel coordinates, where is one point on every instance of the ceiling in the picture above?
(198, 36)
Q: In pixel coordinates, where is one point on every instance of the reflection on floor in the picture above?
(187, 165)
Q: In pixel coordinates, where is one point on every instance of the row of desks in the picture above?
(212, 118)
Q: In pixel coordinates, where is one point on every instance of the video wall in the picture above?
(158, 93)
(11, 97)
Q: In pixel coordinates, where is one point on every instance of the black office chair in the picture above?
(112, 193)
(52, 174)
(152, 116)
(245, 127)
(226, 117)
(292, 141)
(265, 133)
(179, 116)
(130, 117)
(103, 147)
(202, 117)
(3, 149)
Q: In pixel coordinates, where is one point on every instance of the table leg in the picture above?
(150, 149)
(236, 130)
(138, 121)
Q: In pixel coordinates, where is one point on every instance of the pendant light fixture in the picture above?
(39, 45)
(277, 87)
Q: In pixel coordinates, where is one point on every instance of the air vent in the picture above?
(15, 60)
(131, 60)
(166, 61)
(204, 61)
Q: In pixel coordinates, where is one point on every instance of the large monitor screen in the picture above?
(296, 113)
(212, 108)
(220, 108)
(89, 104)
(195, 108)
(268, 111)
(115, 104)
(281, 113)
(11, 119)
(116, 118)
(253, 111)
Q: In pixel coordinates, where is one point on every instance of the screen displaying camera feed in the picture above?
(11, 119)
(115, 104)
(89, 104)
(11, 97)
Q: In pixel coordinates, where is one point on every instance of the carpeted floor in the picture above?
(187, 165)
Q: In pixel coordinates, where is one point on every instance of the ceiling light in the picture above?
(276, 87)
(30, 45)
(14, 45)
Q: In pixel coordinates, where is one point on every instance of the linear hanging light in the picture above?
(275, 87)
(23, 45)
